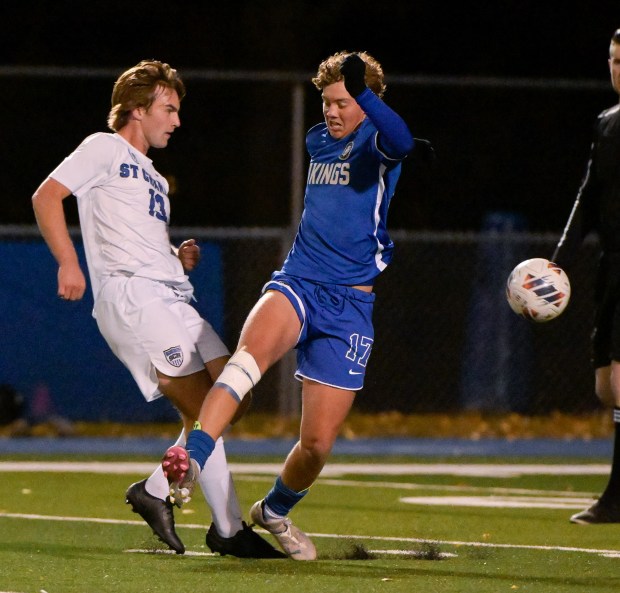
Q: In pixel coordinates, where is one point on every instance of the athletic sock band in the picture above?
(199, 445)
(281, 499)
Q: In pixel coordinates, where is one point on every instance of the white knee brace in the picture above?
(240, 374)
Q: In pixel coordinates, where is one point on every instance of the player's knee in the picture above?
(317, 447)
(606, 393)
(606, 397)
(607, 384)
(240, 375)
(603, 386)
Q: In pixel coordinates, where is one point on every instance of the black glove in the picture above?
(353, 69)
(423, 151)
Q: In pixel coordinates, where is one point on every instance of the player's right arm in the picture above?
(50, 215)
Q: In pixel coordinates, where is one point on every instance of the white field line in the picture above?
(500, 502)
(168, 552)
(409, 540)
(331, 470)
(411, 553)
(435, 487)
(248, 472)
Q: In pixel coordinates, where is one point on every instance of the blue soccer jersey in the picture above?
(342, 237)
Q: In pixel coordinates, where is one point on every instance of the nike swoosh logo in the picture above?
(354, 372)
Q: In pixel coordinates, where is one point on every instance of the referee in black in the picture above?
(597, 208)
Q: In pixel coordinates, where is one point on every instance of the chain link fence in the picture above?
(446, 340)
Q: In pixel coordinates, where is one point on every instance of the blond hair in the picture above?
(329, 72)
(138, 86)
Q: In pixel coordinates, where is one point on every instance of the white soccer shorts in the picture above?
(149, 325)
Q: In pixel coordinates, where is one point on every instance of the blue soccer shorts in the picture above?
(336, 330)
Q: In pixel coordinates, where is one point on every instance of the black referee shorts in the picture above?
(606, 332)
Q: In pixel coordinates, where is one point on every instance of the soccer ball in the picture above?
(538, 289)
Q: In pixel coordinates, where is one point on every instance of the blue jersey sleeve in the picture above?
(394, 136)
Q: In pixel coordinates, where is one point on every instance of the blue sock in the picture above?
(200, 446)
(281, 499)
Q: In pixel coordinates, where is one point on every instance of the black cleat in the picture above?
(599, 512)
(246, 543)
(156, 512)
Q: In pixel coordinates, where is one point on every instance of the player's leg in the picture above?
(215, 368)
(324, 410)
(149, 498)
(228, 534)
(186, 394)
(332, 358)
(170, 342)
(217, 485)
(606, 354)
(607, 508)
(602, 385)
(271, 329)
(141, 336)
(611, 495)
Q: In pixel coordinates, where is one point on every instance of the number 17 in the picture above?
(359, 343)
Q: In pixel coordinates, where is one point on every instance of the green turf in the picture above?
(62, 556)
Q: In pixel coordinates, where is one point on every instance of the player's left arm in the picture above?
(395, 138)
(189, 254)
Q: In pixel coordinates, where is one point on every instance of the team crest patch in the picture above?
(346, 152)
(174, 356)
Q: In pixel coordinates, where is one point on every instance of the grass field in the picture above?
(401, 525)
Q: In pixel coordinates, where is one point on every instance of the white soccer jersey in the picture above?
(124, 211)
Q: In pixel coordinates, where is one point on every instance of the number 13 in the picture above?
(157, 201)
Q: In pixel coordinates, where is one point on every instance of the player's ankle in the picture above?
(199, 445)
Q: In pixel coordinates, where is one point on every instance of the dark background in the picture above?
(500, 146)
(507, 92)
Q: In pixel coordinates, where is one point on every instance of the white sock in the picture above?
(270, 515)
(157, 484)
(219, 491)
